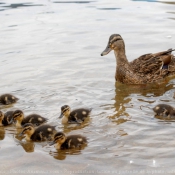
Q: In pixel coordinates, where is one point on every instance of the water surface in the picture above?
(50, 56)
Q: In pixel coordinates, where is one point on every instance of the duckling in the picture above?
(76, 116)
(41, 133)
(69, 142)
(35, 119)
(165, 111)
(6, 119)
(7, 99)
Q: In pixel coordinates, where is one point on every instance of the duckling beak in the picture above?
(11, 121)
(61, 115)
(106, 51)
(21, 134)
(52, 143)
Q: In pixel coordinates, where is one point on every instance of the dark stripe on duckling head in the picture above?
(17, 113)
(64, 108)
(59, 135)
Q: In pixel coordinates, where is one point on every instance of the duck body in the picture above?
(75, 116)
(35, 119)
(72, 141)
(41, 133)
(148, 68)
(8, 99)
(165, 111)
(5, 119)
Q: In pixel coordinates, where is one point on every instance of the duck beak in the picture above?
(61, 115)
(52, 143)
(11, 121)
(106, 51)
(21, 134)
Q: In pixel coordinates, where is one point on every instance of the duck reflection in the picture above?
(125, 95)
(2, 133)
(61, 154)
(27, 146)
(69, 127)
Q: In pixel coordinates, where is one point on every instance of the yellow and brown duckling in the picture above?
(164, 111)
(69, 142)
(8, 99)
(41, 133)
(35, 119)
(6, 119)
(147, 68)
(76, 116)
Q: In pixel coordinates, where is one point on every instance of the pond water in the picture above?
(50, 56)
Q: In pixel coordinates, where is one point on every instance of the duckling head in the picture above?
(59, 139)
(1, 118)
(65, 111)
(28, 130)
(18, 116)
(115, 43)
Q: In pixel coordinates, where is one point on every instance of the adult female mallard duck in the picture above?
(76, 116)
(35, 119)
(69, 142)
(148, 68)
(6, 119)
(8, 99)
(41, 133)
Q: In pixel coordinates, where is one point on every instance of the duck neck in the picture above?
(18, 124)
(120, 56)
(28, 137)
(64, 119)
(57, 146)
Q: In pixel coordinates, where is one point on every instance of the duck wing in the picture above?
(155, 66)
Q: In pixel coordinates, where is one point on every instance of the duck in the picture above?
(35, 119)
(165, 111)
(61, 141)
(6, 119)
(8, 99)
(148, 68)
(44, 132)
(77, 116)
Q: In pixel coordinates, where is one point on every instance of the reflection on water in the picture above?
(146, 0)
(108, 8)
(61, 154)
(73, 2)
(19, 5)
(28, 146)
(2, 133)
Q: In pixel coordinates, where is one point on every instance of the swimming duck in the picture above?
(75, 116)
(7, 99)
(165, 111)
(69, 142)
(41, 133)
(147, 68)
(6, 119)
(35, 119)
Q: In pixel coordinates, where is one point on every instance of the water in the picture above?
(50, 56)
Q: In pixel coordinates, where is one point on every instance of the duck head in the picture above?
(65, 111)
(28, 130)
(115, 43)
(59, 139)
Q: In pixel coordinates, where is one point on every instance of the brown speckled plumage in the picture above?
(148, 68)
